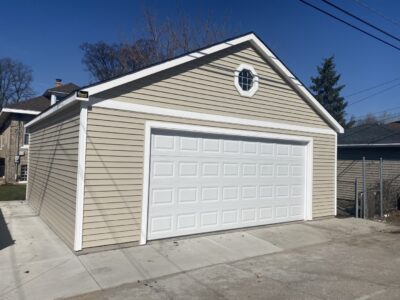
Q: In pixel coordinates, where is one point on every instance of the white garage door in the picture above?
(202, 183)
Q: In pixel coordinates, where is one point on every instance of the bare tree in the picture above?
(369, 119)
(162, 40)
(15, 81)
(382, 118)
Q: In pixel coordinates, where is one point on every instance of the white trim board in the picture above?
(114, 104)
(52, 109)
(21, 111)
(335, 186)
(80, 181)
(251, 38)
(150, 125)
(56, 107)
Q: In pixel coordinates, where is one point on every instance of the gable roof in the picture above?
(267, 54)
(371, 135)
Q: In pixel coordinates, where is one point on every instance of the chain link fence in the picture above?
(368, 188)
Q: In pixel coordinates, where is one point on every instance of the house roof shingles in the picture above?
(62, 89)
(41, 103)
(371, 134)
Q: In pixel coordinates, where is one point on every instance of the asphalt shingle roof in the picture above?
(38, 103)
(41, 103)
(371, 134)
(63, 89)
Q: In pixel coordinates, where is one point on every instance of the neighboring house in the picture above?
(14, 139)
(372, 142)
(224, 137)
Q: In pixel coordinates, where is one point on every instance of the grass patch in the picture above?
(12, 192)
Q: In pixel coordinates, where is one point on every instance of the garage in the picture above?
(208, 182)
(224, 137)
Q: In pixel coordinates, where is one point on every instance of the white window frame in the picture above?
(20, 174)
(254, 88)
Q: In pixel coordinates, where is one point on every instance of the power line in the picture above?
(372, 95)
(372, 87)
(349, 24)
(377, 12)
(361, 20)
(219, 67)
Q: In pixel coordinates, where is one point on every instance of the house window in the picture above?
(246, 80)
(24, 173)
(26, 136)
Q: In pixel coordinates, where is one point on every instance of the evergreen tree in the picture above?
(327, 90)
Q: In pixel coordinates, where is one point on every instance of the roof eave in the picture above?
(20, 111)
(368, 145)
(58, 106)
(5, 112)
(3, 117)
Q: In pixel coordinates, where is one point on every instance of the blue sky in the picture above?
(46, 35)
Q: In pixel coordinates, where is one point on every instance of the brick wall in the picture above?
(13, 138)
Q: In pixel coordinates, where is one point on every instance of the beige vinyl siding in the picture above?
(114, 173)
(206, 85)
(53, 159)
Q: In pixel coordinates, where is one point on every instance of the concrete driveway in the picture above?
(325, 259)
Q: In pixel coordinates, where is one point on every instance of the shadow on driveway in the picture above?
(5, 235)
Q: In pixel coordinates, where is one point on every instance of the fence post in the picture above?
(381, 186)
(365, 196)
(356, 196)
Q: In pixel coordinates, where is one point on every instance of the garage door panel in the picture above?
(186, 221)
(201, 183)
(163, 144)
(162, 197)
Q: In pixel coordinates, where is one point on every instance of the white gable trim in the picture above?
(98, 88)
(114, 104)
(252, 38)
(255, 41)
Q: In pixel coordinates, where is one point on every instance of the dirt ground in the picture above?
(393, 218)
